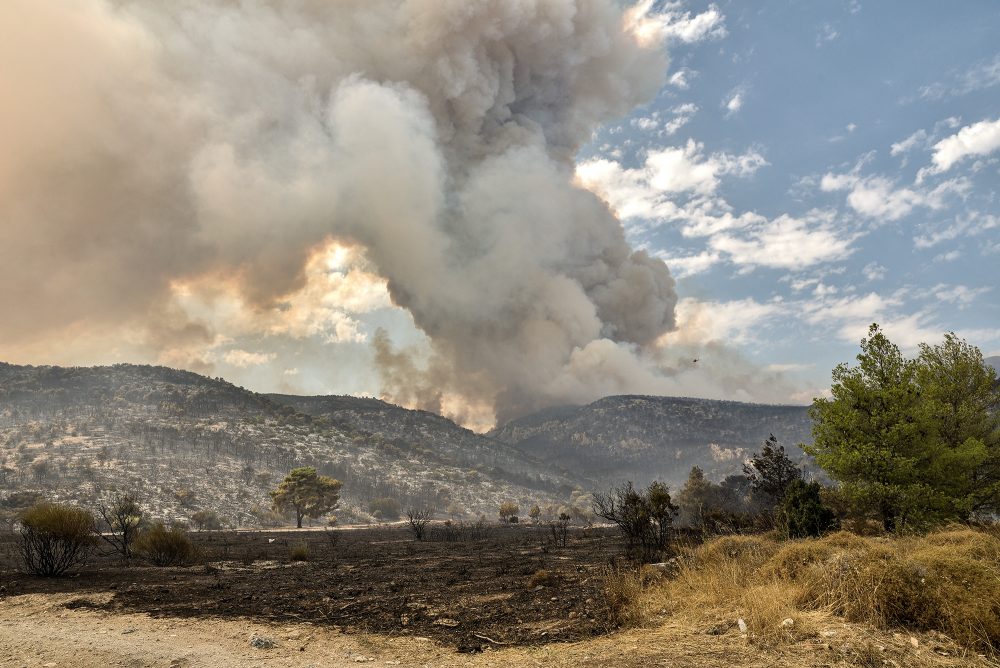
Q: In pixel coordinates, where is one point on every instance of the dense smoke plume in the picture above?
(149, 145)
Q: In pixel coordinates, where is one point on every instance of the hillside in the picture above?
(994, 362)
(185, 443)
(436, 437)
(643, 438)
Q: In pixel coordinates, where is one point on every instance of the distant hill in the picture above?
(437, 437)
(185, 443)
(642, 438)
(994, 362)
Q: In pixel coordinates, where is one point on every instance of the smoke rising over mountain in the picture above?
(154, 149)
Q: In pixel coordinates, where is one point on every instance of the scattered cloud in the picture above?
(639, 192)
(787, 242)
(879, 197)
(827, 33)
(950, 256)
(689, 265)
(980, 138)
(960, 295)
(873, 271)
(964, 225)
(984, 74)
(681, 78)
(917, 139)
(733, 102)
(670, 25)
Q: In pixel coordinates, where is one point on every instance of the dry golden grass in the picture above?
(785, 592)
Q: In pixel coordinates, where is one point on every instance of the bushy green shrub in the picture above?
(802, 513)
(165, 547)
(54, 538)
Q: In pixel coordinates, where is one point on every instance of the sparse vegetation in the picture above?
(165, 546)
(385, 508)
(55, 538)
(508, 512)
(645, 518)
(122, 517)
(418, 518)
(206, 520)
(299, 552)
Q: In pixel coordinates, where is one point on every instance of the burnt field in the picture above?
(486, 586)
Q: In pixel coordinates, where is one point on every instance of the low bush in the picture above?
(802, 513)
(543, 578)
(55, 538)
(299, 552)
(165, 547)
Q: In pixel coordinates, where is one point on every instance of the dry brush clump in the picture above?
(947, 581)
(55, 538)
(165, 546)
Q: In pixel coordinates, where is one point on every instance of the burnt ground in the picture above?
(469, 593)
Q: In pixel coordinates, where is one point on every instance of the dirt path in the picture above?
(38, 630)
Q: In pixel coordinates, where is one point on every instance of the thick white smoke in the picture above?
(148, 142)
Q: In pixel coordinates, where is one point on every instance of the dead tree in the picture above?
(123, 516)
(418, 519)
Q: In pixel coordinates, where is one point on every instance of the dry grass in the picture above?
(947, 582)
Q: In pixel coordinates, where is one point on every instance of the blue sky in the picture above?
(814, 167)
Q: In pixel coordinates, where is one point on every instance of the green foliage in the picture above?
(917, 441)
(54, 538)
(307, 493)
(385, 508)
(772, 471)
(644, 517)
(165, 547)
(802, 513)
(508, 511)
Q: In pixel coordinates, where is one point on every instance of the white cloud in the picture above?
(977, 139)
(873, 271)
(967, 225)
(670, 25)
(984, 74)
(734, 101)
(244, 359)
(787, 242)
(785, 368)
(689, 265)
(960, 295)
(878, 197)
(672, 170)
(682, 115)
(732, 322)
(852, 308)
(826, 34)
(680, 78)
(918, 138)
(950, 256)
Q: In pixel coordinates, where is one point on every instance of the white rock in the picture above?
(743, 625)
